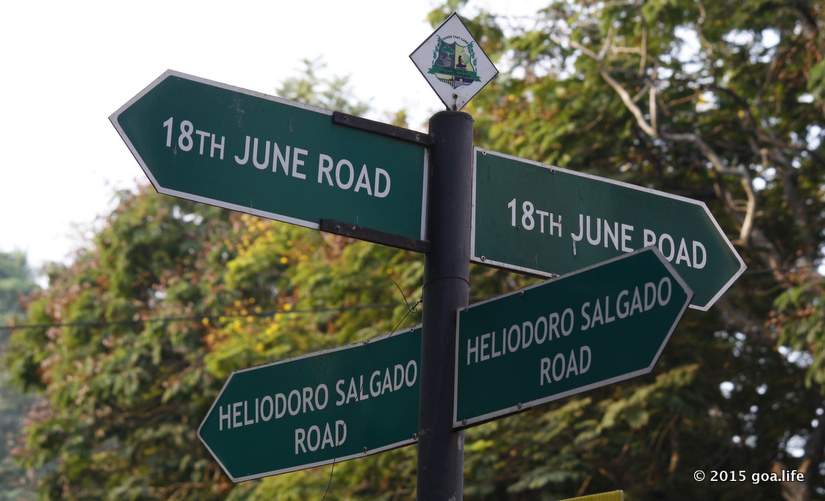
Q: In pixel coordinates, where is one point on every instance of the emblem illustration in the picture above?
(454, 61)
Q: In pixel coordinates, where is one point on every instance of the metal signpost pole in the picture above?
(446, 289)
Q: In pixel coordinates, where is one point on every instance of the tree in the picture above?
(716, 101)
(719, 102)
(332, 93)
(16, 282)
(142, 328)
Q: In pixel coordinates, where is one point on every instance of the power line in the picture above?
(329, 480)
(103, 323)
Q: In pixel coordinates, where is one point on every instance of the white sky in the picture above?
(69, 65)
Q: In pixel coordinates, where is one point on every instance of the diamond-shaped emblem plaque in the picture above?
(453, 63)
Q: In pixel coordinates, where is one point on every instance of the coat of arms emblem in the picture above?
(454, 61)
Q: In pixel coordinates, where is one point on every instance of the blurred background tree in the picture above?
(719, 101)
(16, 282)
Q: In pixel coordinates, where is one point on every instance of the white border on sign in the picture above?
(499, 264)
(424, 183)
(368, 452)
(464, 423)
(113, 118)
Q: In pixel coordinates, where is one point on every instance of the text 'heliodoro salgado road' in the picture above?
(308, 399)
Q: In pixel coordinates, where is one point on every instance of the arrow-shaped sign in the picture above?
(597, 326)
(550, 221)
(242, 150)
(317, 409)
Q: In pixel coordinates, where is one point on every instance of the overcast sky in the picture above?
(69, 65)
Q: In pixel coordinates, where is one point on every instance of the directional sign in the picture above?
(453, 63)
(313, 410)
(550, 221)
(590, 328)
(238, 149)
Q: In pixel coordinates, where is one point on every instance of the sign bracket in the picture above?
(365, 124)
(370, 235)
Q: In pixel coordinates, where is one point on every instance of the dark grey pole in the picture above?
(446, 288)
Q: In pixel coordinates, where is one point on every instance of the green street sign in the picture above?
(603, 324)
(242, 150)
(317, 409)
(549, 221)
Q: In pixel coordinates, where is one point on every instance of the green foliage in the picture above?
(727, 125)
(16, 282)
(736, 388)
(799, 318)
(816, 80)
(331, 93)
(122, 397)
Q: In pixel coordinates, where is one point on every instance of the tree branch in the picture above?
(748, 232)
(643, 48)
(643, 91)
(765, 247)
(750, 210)
(791, 194)
(629, 104)
(608, 43)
